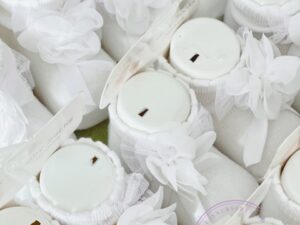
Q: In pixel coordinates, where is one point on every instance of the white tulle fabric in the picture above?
(150, 212)
(262, 83)
(66, 37)
(15, 91)
(135, 16)
(128, 190)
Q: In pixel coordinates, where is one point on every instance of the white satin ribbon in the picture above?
(286, 28)
(14, 93)
(134, 16)
(66, 37)
(262, 83)
(149, 212)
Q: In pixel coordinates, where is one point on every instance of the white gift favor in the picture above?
(92, 189)
(284, 192)
(160, 130)
(23, 215)
(62, 41)
(279, 19)
(248, 94)
(22, 115)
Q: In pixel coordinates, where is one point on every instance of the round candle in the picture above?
(22, 216)
(151, 100)
(290, 178)
(77, 178)
(204, 48)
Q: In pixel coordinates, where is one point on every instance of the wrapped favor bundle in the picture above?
(92, 189)
(24, 215)
(284, 191)
(160, 130)
(279, 19)
(245, 83)
(22, 115)
(62, 40)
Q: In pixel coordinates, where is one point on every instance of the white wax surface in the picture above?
(73, 183)
(204, 48)
(23, 216)
(290, 178)
(152, 100)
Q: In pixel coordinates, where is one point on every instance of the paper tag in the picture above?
(290, 145)
(256, 199)
(26, 159)
(151, 45)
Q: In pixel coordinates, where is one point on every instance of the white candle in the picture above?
(204, 49)
(150, 100)
(22, 216)
(78, 178)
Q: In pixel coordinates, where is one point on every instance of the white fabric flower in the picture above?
(60, 36)
(262, 83)
(135, 16)
(149, 212)
(170, 158)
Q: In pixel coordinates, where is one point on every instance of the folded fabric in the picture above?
(249, 96)
(279, 19)
(23, 215)
(92, 189)
(160, 130)
(125, 21)
(64, 47)
(284, 193)
(249, 221)
(22, 115)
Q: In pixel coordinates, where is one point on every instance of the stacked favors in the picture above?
(202, 98)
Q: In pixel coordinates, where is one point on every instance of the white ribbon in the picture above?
(286, 28)
(149, 212)
(262, 83)
(66, 37)
(14, 93)
(135, 16)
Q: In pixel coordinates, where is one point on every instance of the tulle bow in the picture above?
(170, 158)
(134, 16)
(263, 83)
(66, 37)
(149, 212)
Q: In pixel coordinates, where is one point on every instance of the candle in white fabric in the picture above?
(151, 114)
(149, 107)
(77, 178)
(22, 215)
(238, 117)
